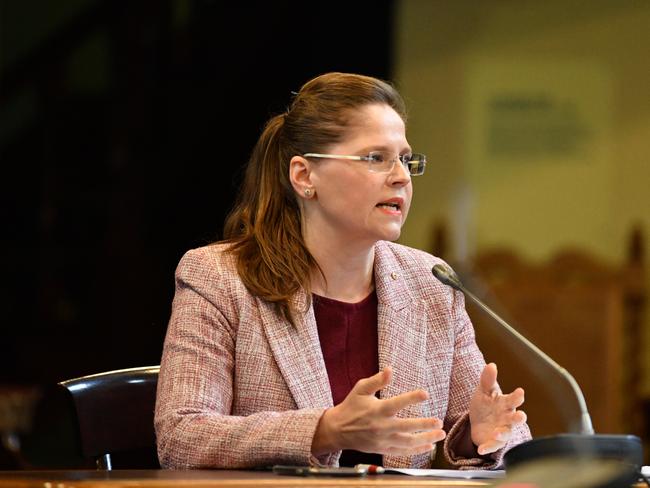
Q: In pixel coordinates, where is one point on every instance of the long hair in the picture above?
(264, 227)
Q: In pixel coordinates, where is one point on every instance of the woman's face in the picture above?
(352, 202)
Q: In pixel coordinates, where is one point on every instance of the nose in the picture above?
(399, 175)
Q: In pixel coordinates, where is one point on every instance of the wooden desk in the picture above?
(264, 479)
(209, 479)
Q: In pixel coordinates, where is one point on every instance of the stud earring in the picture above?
(308, 192)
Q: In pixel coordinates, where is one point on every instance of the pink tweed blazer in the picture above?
(240, 387)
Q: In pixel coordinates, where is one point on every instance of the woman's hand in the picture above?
(365, 423)
(492, 414)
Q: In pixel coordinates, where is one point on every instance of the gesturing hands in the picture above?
(365, 423)
(492, 414)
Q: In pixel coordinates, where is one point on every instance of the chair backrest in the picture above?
(115, 412)
(573, 308)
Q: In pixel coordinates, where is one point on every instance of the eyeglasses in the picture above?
(382, 161)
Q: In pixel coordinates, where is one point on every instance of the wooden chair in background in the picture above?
(586, 314)
(576, 319)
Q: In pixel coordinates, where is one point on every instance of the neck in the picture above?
(348, 271)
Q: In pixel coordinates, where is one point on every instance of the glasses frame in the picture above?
(421, 161)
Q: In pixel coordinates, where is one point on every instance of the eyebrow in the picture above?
(368, 149)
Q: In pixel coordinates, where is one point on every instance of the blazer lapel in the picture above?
(402, 330)
(298, 353)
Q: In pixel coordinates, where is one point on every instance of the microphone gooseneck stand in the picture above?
(584, 445)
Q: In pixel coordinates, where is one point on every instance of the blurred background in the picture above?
(125, 126)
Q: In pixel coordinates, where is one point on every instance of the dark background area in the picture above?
(124, 129)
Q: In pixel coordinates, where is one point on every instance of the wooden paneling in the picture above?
(573, 308)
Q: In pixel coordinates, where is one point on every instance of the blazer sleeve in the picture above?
(468, 362)
(193, 421)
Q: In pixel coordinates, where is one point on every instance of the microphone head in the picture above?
(447, 276)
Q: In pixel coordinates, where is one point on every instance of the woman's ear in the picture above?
(300, 177)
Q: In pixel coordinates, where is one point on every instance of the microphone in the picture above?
(585, 444)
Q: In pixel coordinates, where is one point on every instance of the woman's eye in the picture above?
(376, 157)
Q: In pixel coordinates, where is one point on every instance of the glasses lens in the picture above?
(380, 162)
(416, 164)
(383, 162)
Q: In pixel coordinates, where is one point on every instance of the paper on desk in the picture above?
(450, 473)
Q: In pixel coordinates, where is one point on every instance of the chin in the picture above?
(391, 235)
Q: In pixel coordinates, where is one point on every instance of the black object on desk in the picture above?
(596, 460)
(318, 471)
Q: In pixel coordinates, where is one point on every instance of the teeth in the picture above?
(389, 205)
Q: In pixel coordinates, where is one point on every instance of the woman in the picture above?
(307, 336)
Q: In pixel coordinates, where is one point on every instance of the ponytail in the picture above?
(265, 226)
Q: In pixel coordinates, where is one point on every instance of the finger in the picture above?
(391, 406)
(502, 434)
(519, 417)
(408, 451)
(410, 426)
(514, 399)
(408, 441)
(512, 419)
(490, 446)
(371, 385)
(488, 382)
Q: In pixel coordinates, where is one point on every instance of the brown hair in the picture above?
(265, 225)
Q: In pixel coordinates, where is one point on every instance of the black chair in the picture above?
(115, 413)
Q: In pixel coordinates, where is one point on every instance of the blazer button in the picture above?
(393, 275)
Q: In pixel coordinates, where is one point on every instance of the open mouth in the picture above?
(389, 205)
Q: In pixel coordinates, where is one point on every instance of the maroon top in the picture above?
(348, 339)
